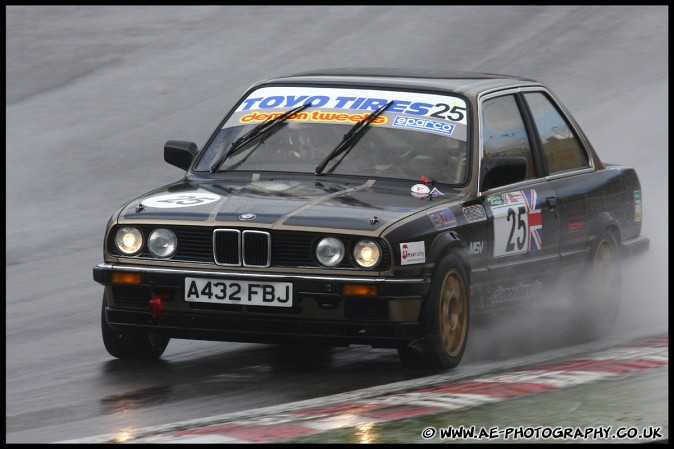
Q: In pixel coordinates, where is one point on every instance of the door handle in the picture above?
(551, 202)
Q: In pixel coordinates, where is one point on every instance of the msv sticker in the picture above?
(412, 252)
(442, 219)
(477, 247)
(174, 200)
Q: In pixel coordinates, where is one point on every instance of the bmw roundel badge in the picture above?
(247, 217)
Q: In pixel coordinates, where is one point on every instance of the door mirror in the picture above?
(180, 153)
(502, 171)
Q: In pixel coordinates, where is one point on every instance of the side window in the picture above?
(561, 149)
(503, 132)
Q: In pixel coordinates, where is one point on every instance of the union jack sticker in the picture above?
(535, 219)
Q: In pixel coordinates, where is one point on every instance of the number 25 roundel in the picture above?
(517, 223)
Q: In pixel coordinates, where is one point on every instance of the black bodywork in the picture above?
(565, 216)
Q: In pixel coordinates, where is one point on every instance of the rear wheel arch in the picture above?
(604, 222)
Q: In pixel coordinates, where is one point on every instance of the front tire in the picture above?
(129, 344)
(444, 320)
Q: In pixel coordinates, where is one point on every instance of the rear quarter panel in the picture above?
(591, 202)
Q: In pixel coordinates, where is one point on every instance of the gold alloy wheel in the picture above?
(453, 313)
(606, 279)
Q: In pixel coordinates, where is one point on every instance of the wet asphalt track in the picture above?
(94, 92)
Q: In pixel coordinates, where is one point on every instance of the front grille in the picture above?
(194, 244)
(256, 249)
(250, 248)
(290, 249)
(232, 247)
(227, 247)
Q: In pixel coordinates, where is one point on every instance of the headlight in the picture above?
(366, 253)
(330, 251)
(129, 240)
(162, 242)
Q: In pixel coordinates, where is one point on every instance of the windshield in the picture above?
(416, 135)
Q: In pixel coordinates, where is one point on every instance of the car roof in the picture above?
(468, 83)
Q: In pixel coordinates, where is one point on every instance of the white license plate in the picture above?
(250, 293)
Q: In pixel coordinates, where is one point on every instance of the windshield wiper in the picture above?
(259, 130)
(351, 138)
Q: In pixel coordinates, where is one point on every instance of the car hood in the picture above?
(368, 206)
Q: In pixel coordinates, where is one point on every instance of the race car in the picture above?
(370, 207)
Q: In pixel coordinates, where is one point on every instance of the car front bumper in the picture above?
(320, 313)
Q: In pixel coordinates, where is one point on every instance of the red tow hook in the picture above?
(156, 306)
